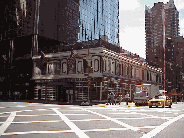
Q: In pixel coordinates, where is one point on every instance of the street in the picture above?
(21, 119)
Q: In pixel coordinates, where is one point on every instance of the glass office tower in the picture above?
(99, 19)
(67, 21)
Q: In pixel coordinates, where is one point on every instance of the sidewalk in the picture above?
(94, 102)
(54, 102)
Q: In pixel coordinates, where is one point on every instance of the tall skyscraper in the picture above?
(99, 19)
(154, 29)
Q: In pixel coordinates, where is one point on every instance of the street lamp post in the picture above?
(88, 70)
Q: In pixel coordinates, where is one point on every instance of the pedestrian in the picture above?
(112, 98)
(115, 98)
(120, 99)
(126, 98)
(108, 99)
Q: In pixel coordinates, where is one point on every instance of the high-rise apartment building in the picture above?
(154, 29)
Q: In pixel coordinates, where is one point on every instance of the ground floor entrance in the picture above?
(93, 89)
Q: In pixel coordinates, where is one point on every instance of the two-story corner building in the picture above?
(89, 73)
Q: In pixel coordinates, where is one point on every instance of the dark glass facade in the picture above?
(56, 19)
(67, 21)
(99, 18)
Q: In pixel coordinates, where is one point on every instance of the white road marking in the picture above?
(38, 132)
(5, 116)
(27, 110)
(50, 114)
(45, 121)
(151, 116)
(39, 115)
(73, 127)
(111, 119)
(75, 114)
(5, 125)
(42, 109)
(104, 129)
(161, 127)
(67, 131)
(5, 113)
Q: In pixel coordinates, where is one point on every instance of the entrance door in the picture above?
(64, 95)
(59, 93)
(39, 94)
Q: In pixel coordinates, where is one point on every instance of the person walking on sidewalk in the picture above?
(115, 98)
(108, 99)
(112, 98)
(126, 98)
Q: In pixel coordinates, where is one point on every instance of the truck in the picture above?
(144, 92)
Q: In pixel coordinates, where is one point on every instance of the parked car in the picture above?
(160, 100)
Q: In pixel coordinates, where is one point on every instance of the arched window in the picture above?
(64, 67)
(96, 65)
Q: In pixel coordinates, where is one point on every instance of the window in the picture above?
(50, 68)
(64, 67)
(79, 66)
(96, 65)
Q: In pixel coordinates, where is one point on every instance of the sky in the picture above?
(132, 23)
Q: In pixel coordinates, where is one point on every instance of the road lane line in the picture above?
(73, 127)
(38, 115)
(38, 132)
(155, 131)
(111, 119)
(6, 124)
(44, 121)
(50, 114)
(104, 129)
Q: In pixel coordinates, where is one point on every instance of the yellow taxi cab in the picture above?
(160, 100)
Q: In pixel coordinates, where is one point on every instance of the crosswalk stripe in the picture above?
(111, 119)
(6, 124)
(155, 131)
(77, 131)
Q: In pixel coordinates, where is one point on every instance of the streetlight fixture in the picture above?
(88, 69)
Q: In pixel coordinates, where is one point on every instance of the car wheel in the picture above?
(150, 106)
(156, 106)
(170, 106)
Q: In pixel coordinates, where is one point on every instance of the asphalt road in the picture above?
(28, 120)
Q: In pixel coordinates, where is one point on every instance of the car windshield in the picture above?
(160, 97)
(141, 94)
